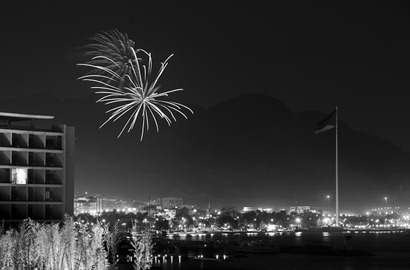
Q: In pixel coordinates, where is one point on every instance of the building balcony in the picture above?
(53, 164)
(46, 167)
(9, 184)
(22, 130)
(38, 163)
(31, 149)
(48, 202)
(53, 183)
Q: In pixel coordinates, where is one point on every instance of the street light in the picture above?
(328, 202)
(298, 220)
(385, 198)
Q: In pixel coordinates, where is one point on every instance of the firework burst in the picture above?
(123, 76)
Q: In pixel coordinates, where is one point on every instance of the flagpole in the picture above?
(337, 174)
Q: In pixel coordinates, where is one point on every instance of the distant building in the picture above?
(110, 204)
(87, 204)
(95, 204)
(169, 202)
(201, 213)
(36, 169)
(249, 209)
(299, 209)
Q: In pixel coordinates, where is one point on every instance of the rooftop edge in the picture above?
(21, 116)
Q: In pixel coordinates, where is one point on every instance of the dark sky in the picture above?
(311, 55)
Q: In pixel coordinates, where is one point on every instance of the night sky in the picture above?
(310, 55)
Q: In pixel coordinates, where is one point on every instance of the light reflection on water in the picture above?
(298, 238)
(325, 236)
(390, 251)
(365, 240)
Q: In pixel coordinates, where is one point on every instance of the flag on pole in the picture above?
(326, 123)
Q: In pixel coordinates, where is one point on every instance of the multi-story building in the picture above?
(299, 209)
(249, 209)
(96, 204)
(113, 203)
(169, 202)
(36, 169)
(87, 204)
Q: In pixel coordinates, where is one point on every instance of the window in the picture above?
(19, 176)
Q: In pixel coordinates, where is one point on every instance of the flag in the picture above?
(326, 123)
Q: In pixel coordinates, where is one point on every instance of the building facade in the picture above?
(36, 169)
(299, 209)
(95, 204)
(170, 202)
(87, 204)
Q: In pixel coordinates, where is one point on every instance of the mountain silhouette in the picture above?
(248, 151)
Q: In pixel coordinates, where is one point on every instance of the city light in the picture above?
(303, 217)
(298, 220)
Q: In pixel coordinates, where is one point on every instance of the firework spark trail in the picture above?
(123, 80)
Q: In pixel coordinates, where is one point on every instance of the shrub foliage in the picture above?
(70, 245)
